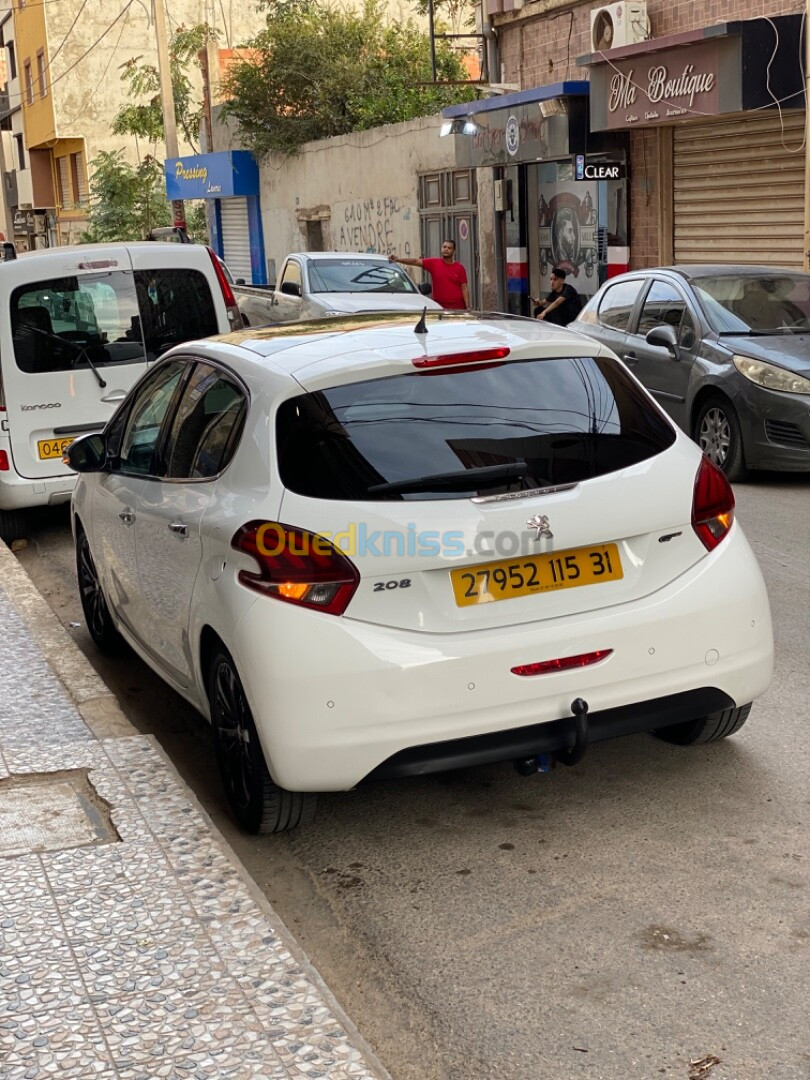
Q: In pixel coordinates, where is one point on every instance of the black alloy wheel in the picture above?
(258, 804)
(717, 433)
(96, 613)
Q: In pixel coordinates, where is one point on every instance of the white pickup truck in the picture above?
(314, 284)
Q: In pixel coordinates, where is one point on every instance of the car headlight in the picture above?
(770, 376)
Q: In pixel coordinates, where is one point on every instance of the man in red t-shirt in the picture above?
(449, 277)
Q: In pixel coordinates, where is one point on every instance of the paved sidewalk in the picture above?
(132, 945)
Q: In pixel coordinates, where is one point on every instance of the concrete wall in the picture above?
(363, 188)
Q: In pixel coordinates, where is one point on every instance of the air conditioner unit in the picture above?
(615, 25)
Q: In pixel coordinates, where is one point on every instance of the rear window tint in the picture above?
(566, 419)
(61, 323)
(175, 306)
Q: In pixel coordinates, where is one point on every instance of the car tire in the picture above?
(257, 803)
(13, 526)
(707, 729)
(717, 433)
(94, 605)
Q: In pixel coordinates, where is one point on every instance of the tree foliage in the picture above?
(144, 119)
(126, 200)
(318, 70)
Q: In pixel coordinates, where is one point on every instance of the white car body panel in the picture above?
(334, 697)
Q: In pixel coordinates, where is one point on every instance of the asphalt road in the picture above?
(636, 916)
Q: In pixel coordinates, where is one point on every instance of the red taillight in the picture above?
(712, 505)
(4, 465)
(296, 566)
(478, 356)
(234, 315)
(563, 663)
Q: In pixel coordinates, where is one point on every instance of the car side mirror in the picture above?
(87, 454)
(665, 336)
(291, 288)
(426, 289)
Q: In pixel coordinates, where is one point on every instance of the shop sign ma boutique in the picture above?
(660, 88)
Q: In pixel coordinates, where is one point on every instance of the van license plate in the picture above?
(530, 574)
(52, 448)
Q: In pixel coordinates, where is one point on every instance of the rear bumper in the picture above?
(334, 699)
(19, 494)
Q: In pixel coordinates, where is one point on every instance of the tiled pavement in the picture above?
(139, 951)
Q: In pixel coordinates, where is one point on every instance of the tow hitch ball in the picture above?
(571, 754)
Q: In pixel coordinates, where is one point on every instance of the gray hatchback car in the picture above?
(725, 350)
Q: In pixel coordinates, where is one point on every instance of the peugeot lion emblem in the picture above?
(540, 523)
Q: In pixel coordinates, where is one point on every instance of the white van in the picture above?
(78, 326)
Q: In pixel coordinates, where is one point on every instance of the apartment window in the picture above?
(12, 61)
(29, 83)
(43, 89)
(18, 139)
(65, 184)
(77, 176)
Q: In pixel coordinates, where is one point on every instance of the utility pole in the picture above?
(806, 138)
(167, 97)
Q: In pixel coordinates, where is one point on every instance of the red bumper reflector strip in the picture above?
(563, 663)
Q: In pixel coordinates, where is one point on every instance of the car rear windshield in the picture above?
(529, 424)
(113, 317)
(357, 275)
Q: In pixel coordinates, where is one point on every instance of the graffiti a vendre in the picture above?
(568, 233)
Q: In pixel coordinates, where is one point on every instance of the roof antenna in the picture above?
(421, 326)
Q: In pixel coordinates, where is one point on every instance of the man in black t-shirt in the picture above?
(561, 306)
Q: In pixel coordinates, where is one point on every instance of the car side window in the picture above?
(665, 305)
(141, 429)
(206, 427)
(617, 303)
(291, 274)
(175, 306)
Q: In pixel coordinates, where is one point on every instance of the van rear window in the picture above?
(554, 421)
(111, 317)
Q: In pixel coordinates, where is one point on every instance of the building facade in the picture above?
(641, 134)
(62, 92)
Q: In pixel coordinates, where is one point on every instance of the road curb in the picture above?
(96, 703)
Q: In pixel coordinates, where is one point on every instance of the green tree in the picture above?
(126, 200)
(317, 71)
(144, 119)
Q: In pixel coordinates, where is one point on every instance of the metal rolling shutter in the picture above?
(739, 191)
(236, 237)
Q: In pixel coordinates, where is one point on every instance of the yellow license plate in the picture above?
(52, 448)
(529, 574)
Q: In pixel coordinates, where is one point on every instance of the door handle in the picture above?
(114, 396)
(178, 528)
(630, 358)
(127, 517)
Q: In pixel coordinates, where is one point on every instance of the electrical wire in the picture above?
(87, 52)
(106, 69)
(775, 28)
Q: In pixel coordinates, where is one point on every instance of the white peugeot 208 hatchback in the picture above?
(375, 547)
